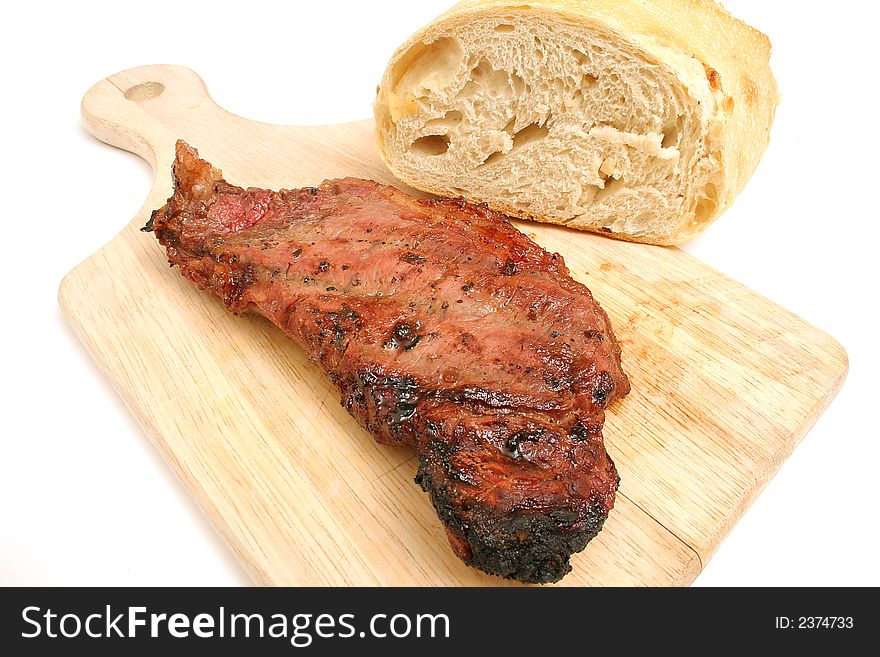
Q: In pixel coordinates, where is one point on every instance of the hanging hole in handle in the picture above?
(144, 91)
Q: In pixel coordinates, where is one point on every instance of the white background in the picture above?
(84, 497)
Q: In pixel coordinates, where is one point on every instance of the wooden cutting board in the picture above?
(725, 383)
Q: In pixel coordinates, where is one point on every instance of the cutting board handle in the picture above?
(136, 109)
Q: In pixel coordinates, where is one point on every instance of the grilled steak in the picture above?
(443, 328)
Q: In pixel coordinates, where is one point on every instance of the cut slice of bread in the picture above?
(641, 120)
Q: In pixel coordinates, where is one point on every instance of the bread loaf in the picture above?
(642, 120)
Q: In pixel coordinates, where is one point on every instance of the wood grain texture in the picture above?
(725, 383)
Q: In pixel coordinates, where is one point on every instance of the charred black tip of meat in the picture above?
(148, 227)
(534, 548)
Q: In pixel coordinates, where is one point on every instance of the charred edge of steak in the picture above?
(534, 548)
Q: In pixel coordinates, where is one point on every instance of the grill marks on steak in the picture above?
(444, 328)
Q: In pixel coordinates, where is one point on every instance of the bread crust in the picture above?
(734, 87)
